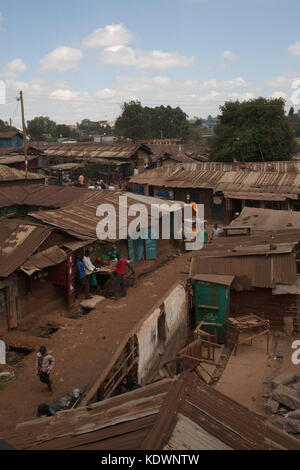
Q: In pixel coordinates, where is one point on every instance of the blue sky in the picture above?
(76, 59)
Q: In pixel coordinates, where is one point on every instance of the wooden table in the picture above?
(254, 325)
(237, 228)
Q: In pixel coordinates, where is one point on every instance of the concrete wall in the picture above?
(152, 351)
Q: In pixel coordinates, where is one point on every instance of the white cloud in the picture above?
(106, 94)
(111, 35)
(119, 55)
(280, 81)
(163, 60)
(280, 94)
(13, 69)
(35, 85)
(146, 60)
(61, 59)
(68, 95)
(294, 49)
(229, 55)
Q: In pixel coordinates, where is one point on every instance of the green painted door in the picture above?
(212, 303)
(151, 244)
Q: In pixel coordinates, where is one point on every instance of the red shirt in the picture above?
(121, 266)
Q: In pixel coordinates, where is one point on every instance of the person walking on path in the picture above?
(44, 365)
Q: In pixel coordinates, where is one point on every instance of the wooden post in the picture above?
(24, 136)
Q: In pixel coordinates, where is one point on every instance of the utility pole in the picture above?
(24, 136)
(10, 123)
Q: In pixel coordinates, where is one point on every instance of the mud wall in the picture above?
(157, 346)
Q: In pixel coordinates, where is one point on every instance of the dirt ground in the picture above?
(82, 346)
(247, 376)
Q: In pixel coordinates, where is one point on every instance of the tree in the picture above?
(41, 128)
(138, 122)
(254, 130)
(132, 122)
(195, 136)
(291, 112)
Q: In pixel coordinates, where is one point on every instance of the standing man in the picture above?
(216, 232)
(120, 270)
(81, 180)
(44, 365)
(82, 278)
(88, 266)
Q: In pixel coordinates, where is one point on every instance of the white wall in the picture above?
(150, 354)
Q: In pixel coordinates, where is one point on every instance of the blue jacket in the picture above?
(81, 269)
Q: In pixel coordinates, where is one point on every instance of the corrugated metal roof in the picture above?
(92, 150)
(222, 419)
(268, 219)
(214, 278)
(17, 243)
(187, 435)
(236, 180)
(261, 270)
(9, 134)
(146, 419)
(44, 259)
(118, 423)
(80, 219)
(11, 174)
(41, 195)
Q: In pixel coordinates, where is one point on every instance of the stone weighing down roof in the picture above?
(172, 414)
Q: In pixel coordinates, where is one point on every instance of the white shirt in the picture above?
(216, 232)
(89, 267)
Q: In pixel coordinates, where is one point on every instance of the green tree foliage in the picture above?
(137, 122)
(253, 130)
(5, 127)
(195, 136)
(41, 128)
(62, 130)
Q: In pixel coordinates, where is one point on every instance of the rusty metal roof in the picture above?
(44, 259)
(18, 241)
(146, 419)
(276, 181)
(119, 423)
(80, 219)
(9, 134)
(261, 265)
(11, 174)
(41, 195)
(66, 166)
(92, 150)
(268, 219)
(208, 419)
(214, 278)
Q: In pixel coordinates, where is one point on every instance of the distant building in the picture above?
(66, 140)
(11, 139)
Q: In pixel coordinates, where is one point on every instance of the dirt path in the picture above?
(83, 347)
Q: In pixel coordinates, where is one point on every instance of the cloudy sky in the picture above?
(76, 59)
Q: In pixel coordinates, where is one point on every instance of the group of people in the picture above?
(86, 269)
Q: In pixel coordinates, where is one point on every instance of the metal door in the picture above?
(212, 305)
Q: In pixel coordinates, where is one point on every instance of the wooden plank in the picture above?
(12, 313)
